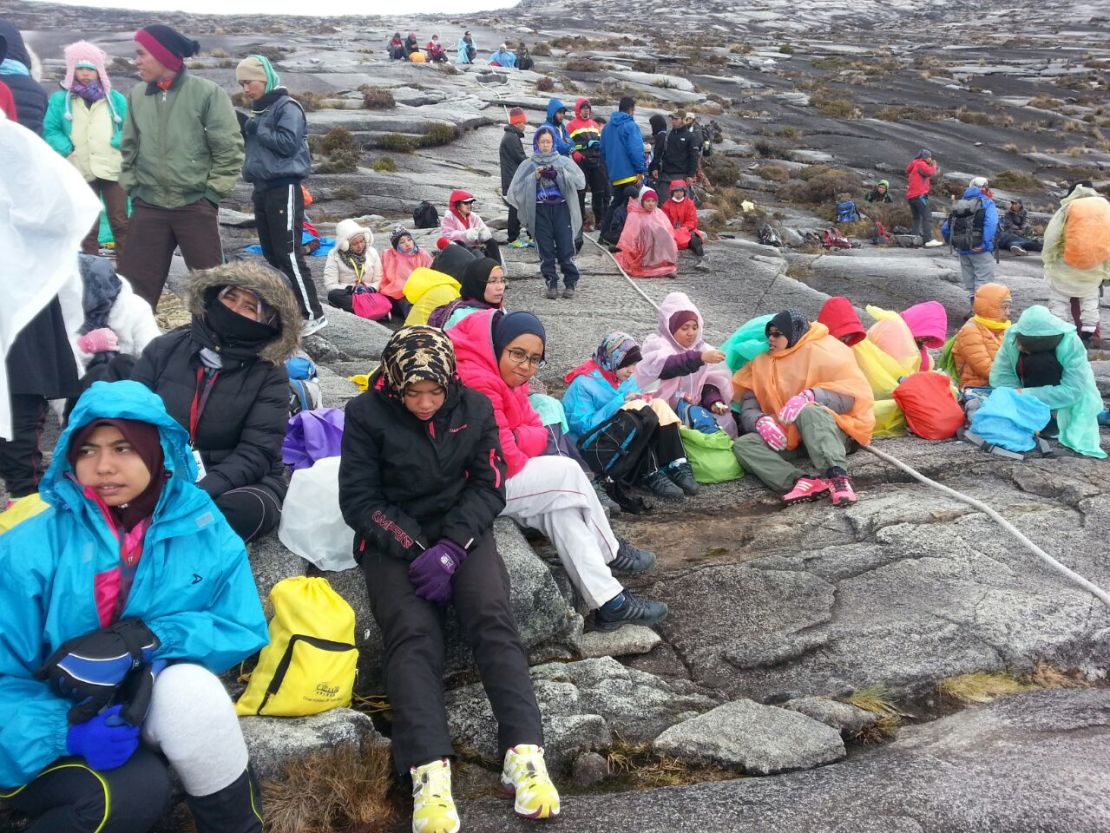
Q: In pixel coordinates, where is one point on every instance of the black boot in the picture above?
(237, 808)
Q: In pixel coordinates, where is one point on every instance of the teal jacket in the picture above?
(57, 124)
(193, 586)
(591, 399)
(1076, 400)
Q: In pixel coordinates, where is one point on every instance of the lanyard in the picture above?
(200, 400)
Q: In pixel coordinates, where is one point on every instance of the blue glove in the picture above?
(431, 571)
(104, 741)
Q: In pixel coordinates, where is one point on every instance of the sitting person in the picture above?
(396, 47)
(683, 215)
(466, 49)
(928, 321)
(1015, 231)
(880, 193)
(427, 290)
(411, 44)
(977, 342)
(353, 266)
(679, 364)
(647, 246)
(503, 58)
(805, 397)
(846, 211)
(605, 384)
(118, 323)
(99, 596)
(497, 355)
(224, 379)
(1043, 356)
(423, 517)
(398, 262)
(437, 53)
(524, 57)
(482, 287)
(462, 225)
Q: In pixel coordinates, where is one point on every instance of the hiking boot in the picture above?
(1017, 251)
(607, 503)
(806, 488)
(524, 776)
(701, 265)
(840, 484)
(552, 293)
(631, 560)
(433, 809)
(1103, 419)
(682, 475)
(659, 484)
(626, 609)
(932, 244)
(313, 326)
(568, 293)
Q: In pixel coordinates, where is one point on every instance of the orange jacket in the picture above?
(978, 340)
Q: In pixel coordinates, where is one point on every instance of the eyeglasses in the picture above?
(775, 334)
(496, 281)
(465, 202)
(518, 356)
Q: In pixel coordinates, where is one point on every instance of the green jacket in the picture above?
(180, 145)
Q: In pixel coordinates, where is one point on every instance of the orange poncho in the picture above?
(817, 361)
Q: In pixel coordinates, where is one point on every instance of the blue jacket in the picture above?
(990, 220)
(193, 586)
(622, 146)
(591, 399)
(563, 143)
(503, 57)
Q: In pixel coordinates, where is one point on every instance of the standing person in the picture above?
(84, 123)
(511, 154)
(556, 120)
(15, 70)
(585, 133)
(462, 225)
(277, 162)
(919, 174)
(131, 568)
(970, 229)
(421, 480)
(681, 152)
(182, 154)
(657, 126)
(223, 378)
(1015, 231)
(622, 148)
(543, 191)
(1077, 258)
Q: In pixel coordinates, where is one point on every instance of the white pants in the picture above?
(193, 722)
(553, 495)
(1060, 306)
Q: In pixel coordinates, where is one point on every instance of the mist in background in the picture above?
(318, 8)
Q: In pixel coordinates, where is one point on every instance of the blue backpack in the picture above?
(696, 417)
(304, 386)
(846, 212)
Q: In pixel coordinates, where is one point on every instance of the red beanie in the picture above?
(442, 243)
(840, 317)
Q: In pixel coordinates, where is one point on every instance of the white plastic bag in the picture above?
(311, 524)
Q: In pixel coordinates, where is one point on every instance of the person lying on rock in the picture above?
(498, 354)
(605, 384)
(120, 605)
(421, 479)
(804, 398)
(1015, 231)
(398, 262)
(1042, 356)
(683, 214)
(928, 322)
(462, 225)
(483, 287)
(682, 368)
(978, 341)
(223, 378)
(647, 245)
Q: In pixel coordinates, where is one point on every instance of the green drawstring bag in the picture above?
(710, 456)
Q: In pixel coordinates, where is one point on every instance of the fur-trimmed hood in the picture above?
(269, 285)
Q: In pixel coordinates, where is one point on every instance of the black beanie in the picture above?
(169, 44)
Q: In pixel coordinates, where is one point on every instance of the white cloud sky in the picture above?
(388, 8)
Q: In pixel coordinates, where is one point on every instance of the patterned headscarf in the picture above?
(791, 323)
(613, 351)
(418, 354)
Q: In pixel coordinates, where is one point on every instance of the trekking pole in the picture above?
(1073, 576)
(628, 278)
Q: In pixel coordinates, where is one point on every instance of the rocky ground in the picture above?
(784, 620)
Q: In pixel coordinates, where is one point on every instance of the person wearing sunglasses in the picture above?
(461, 224)
(497, 355)
(804, 398)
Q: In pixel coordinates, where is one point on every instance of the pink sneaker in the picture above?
(842, 492)
(806, 488)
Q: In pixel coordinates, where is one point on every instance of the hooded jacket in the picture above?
(521, 431)
(929, 321)
(396, 268)
(563, 144)
(456, 229)
(241, 429)
(1075, 401)
(622, 147)
(817, 360)
(919, 177)
(30, 100)
(680, 154)
(91, 133)
(404, 483)
(840, 317)
(427, 289)
(990, 220)
(978, 340)
(683, 217)
(511, 153)
(647, 244)
(338, 273)
(180, 145)
(503, 58)
(585, 134)
(276, 136)
(522, 190)
(591, 398)
(1076, 250)
(192, 586)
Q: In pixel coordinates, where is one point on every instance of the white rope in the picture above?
(631, 282)
(1095, 590)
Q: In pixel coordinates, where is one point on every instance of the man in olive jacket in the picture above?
(182, 152)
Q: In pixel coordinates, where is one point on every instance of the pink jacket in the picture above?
(522, 433)
(455, 229)
(397, 267)
(927, 320)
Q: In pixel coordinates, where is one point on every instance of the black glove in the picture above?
(88, 669)
(135, 692)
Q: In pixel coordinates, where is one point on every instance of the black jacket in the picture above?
(404, 484)
(512, 154)
(680, 154)
(30, 100)
(276, 141)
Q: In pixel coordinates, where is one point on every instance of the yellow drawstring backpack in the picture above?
(309, 665)
(21, 510)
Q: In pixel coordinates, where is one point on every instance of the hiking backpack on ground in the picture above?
(304, 386)
(425, 215)
(768, 236)
(965, 224)
(617, 450)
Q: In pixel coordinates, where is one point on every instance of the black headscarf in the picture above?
(791, 323)
(506, 328)
(475, 277)
(235, 334)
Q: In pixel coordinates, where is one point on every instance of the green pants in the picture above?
(822, 441)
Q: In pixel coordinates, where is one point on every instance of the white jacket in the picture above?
(337, 273)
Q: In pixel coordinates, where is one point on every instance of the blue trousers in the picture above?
(555, 240)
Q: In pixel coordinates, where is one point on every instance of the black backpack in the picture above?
(616, 452)
(965, 224)
(425, 215)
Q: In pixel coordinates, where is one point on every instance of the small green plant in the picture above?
(345, 193)
(541, 49)
(377, 98)
(786, 49)
(879, 701)
(344, 161)
(438, 134)
(773, 173)
(384, 165)
(398, 142)
(837, 108)
(1016, 181)
(644, 65)
(337, 139)
(219, 52)
(769, 150)
(309, 100)
(580, 65)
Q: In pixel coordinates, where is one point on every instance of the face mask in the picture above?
(679, 197)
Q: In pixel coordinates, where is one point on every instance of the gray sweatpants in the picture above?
(976, 270)
(822, 441)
